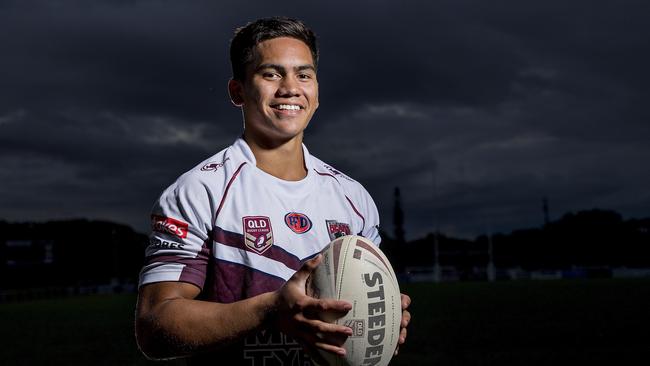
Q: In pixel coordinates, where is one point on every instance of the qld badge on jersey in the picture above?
(258, 234)
(337, 229)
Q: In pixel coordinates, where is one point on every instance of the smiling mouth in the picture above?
(287, 107)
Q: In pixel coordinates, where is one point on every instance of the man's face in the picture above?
(280, 93)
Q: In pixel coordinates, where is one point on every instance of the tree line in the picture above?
(589, 238)
(78, 252)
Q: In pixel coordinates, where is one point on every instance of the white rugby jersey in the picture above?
(235, 232)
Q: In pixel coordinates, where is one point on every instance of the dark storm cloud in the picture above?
(513, 104)
(476, 110)
(143, 58)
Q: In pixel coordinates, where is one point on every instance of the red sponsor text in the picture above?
(168, 225)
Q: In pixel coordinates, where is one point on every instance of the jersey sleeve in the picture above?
(181, 225)
(371, 225)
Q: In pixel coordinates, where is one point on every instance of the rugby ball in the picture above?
(353, 269)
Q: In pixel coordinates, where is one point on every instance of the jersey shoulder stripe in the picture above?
(352, 189)
(356, 196)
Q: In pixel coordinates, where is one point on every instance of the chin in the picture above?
(290, 131)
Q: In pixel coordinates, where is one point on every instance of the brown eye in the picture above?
(270, 75)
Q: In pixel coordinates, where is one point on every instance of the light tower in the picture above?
(437, 277)
(491, 269)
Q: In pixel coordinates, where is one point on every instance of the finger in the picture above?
(402, 336)
(403, 332)
(308, 267)
(339, 351)
(406, 301)
(320, 344)
(314, 354)
(320, 305)
(326, 309)
(313, 326)
(313, 263)
(336, 308)
(315, 343)
(318, 326)
(406, 319)
(334, 339)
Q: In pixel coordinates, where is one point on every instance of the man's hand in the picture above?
(298, 315)
(406, 319)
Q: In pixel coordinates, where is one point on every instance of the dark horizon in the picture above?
(476, 111)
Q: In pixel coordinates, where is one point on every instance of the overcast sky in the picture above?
(475, 109)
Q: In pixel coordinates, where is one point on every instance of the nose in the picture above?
(288, 87)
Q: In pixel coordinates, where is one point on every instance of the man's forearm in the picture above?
(178, 326)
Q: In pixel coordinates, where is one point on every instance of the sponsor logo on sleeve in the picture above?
(167, 225)
(214, 166)
(297, 222)
(258, 234)
(337, 229)
(156, 243)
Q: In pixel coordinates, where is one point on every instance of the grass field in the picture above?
(503, 323)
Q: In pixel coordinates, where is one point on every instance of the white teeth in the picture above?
(289, 107)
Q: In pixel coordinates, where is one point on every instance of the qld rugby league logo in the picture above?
(297, 222)
(258, 234)
(337, 229)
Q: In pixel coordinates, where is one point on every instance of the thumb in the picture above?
(308, 267)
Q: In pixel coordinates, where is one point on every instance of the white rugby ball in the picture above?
(353, 269)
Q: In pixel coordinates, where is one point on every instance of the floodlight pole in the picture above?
(436, 251)
(491, 269)
(436, 265)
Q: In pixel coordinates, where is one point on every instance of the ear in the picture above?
(236, 91)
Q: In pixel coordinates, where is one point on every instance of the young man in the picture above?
(235, 238)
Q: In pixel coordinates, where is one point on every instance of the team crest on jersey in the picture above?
(258, 234)
(337, 229)
(297, 222)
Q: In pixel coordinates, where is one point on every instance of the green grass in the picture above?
(88, 330)
(503, 323)
(528, 323)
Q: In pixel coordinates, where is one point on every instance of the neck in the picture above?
(282, 160)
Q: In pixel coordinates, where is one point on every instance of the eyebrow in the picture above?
(282, 69)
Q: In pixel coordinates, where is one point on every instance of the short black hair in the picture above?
(248, 36)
